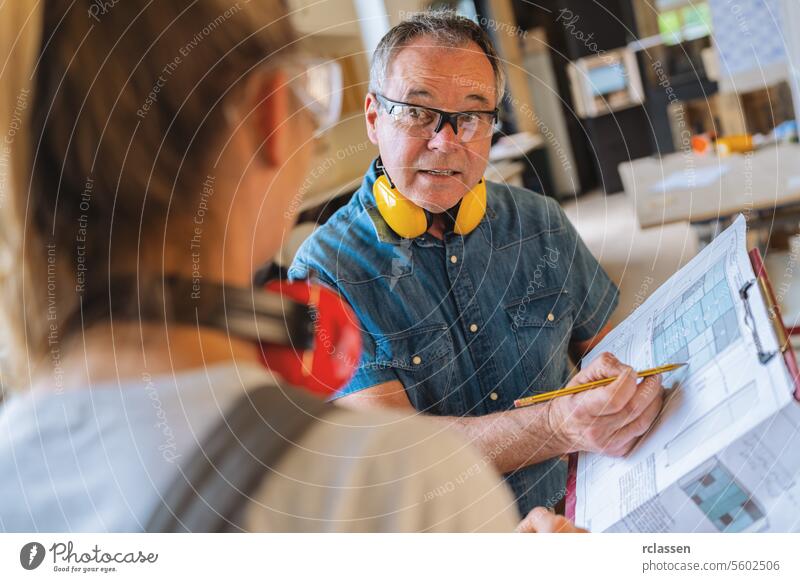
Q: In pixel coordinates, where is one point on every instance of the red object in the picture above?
(701, 144)
(775, 316)
(330, 363)
(572, 484)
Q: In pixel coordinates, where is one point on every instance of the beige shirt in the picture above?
(97, 459)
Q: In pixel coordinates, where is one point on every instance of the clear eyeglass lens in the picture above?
(421, 122)
(415, 118)
(475, 126)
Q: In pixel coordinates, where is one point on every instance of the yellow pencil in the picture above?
(589, 385)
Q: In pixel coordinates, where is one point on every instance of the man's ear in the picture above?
(270, 117)
(371, 115)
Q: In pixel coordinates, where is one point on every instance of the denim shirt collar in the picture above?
(382, 230)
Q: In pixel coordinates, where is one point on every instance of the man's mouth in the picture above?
(440, 172)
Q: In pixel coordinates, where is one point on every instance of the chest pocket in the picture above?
(542, 326)
(423, 360)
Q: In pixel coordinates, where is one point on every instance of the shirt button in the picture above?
(453, 259)
(473, 328)
(493, 396)
(416, 360)
(550, 317)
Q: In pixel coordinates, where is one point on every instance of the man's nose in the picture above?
(445, 139)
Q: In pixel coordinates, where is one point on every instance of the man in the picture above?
(470, 295)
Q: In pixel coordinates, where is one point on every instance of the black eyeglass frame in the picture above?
(450, 117)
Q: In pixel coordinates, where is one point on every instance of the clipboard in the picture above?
(785, 351)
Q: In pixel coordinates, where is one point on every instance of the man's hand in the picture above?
(542, 520)
(608, 419)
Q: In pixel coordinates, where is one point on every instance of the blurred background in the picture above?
(653, 122)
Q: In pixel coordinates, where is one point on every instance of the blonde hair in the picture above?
(108, 107)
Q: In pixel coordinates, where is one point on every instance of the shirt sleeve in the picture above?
(371, 371)
(594, 294)
(382, 472)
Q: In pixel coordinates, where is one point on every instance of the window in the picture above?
(684, 21)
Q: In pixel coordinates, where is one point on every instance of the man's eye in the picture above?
(470, 119)
(479, 118)
(418, 114)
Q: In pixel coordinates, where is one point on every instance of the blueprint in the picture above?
(723, 454)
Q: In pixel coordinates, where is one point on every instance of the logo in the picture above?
(31, 555)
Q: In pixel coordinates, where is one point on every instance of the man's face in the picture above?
(451, 79)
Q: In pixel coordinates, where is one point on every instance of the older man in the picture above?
(471, 294)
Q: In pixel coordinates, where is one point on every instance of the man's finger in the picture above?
(637, 427)
(610, 399)
(647, 392)
(603, 366)
(537, 518)
(541, 520)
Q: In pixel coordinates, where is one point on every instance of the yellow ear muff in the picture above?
(403, 216)
(410, 221)
(472, 209)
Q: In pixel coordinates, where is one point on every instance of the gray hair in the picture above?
(445, 28)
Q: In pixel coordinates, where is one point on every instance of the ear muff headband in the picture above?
(410, 221)
(303, 331)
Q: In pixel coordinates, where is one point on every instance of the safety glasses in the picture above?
(317, 84)
(424, 122)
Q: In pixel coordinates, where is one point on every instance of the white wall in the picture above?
(791, 35)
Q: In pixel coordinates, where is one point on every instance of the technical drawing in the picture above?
(697, 326)
(724, 501)
(724, 415)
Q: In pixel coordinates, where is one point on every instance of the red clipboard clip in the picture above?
(774, 313)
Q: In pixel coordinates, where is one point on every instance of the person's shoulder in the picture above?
(345, 229)
(383, 471)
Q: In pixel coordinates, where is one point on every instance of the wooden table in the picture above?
(705, 188)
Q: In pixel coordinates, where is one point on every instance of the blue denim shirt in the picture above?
(469, 323)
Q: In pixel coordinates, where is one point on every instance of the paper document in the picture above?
(690, 178)
(724, 454)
